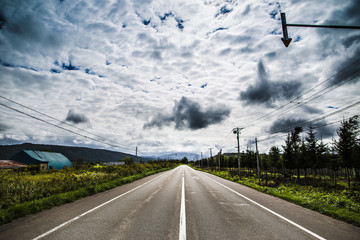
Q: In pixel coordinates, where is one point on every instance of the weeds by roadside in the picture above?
(23, 193)
(341, 203)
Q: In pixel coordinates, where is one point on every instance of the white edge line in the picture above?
(91, 210)
(182, 228)
(271, 211)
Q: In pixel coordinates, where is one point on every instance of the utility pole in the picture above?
(136, 151)
(237, 132)
(257, 160)
(210, 156)
(201, 161)
(286, 40)
(219, 158)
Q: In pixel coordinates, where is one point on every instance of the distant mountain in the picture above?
(72, 153)
(179, 156)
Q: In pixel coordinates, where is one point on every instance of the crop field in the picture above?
(26, 191)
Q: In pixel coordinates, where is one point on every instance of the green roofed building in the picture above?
(46, 160)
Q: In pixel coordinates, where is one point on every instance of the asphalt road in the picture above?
(179, 204)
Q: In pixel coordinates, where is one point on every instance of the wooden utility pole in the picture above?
(219, 158)
(210, 157)
(257, 160)
(237, 132)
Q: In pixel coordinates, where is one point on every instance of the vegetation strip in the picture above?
(16, 187)
(91, 210)
(333, 204)
(269, 210)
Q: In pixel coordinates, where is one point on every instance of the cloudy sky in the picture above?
(174, 75)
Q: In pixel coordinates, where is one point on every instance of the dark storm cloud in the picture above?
(348, 70)
(159, 120)
(189, 114)
(76, 117)
(321, 128)
(24, 30)
(347, 15)
(4, 127)
(2, 21)
(286, 125)
(265, 91)
(311, 110)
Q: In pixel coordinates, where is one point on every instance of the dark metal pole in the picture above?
(322, 26)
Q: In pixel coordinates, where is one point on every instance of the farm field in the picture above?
(27, 191)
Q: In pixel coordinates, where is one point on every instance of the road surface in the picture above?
(179, 204)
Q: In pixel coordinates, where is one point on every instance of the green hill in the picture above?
(72, 153)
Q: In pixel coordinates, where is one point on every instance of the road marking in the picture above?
(267, 209)
(91, 210)
(182, 231)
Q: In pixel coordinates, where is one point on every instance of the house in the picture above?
(46, 160)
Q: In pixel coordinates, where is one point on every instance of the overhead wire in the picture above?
(345, 79)
(313, 97)
(295, 105)
(314, 127)
(46, 115)
(289, 128)
(63, 128)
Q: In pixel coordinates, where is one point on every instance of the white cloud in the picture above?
(131, 60)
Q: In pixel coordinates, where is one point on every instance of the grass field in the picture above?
(24, 192)
(337, 201)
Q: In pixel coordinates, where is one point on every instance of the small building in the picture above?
(46, 160)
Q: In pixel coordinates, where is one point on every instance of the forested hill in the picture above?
(72, 153)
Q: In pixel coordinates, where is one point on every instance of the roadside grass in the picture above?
(340, 203)
(28, 194)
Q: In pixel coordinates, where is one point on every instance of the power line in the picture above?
(314, 127)
(308, 99)
(65, 129)
(288, 128)
(315, 96)
(63, 122)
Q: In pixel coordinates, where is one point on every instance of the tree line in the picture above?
(304, 158)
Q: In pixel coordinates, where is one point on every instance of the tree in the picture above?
(292, 150)
(128, 161)
(288, 152)
(311, 148)
(348, 143)
(322, 152)
(305, 158)
(184, 160)
(274, 157)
